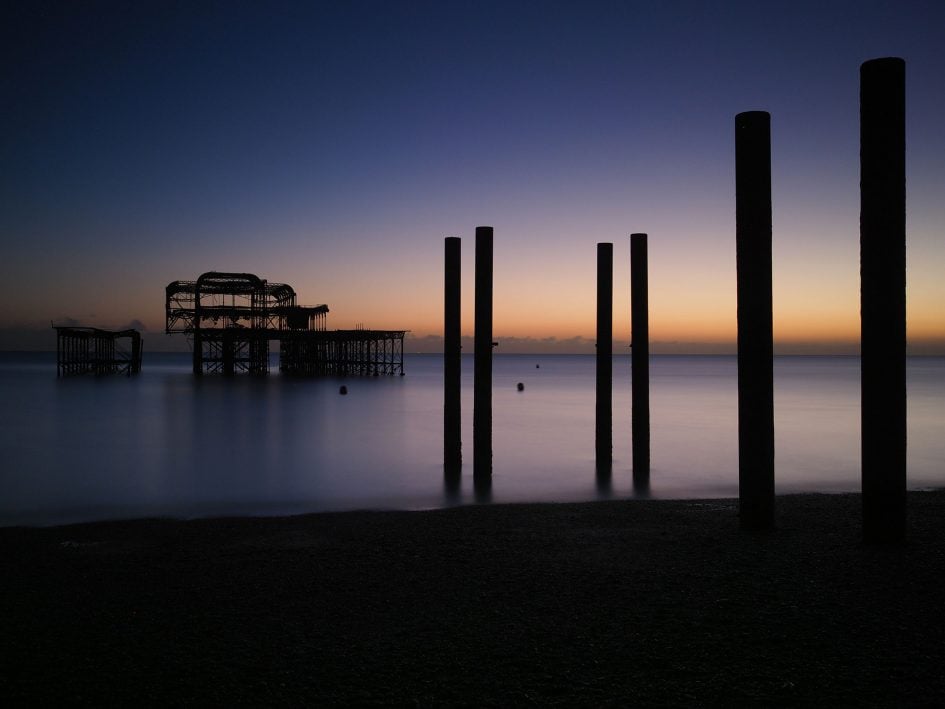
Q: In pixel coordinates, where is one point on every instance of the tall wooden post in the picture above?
(605, 362)
(755, 336)
(640, 360)
(452, 357)
(482, 372)
(883, 297)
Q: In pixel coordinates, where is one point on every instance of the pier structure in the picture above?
(231, 318)
(91, 350)
(358, 352)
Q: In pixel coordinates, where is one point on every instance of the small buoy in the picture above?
(537, 366)
(343, 390)
(520, 386)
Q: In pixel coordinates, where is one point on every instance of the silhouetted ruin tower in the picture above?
(90, 350)
(232, 317)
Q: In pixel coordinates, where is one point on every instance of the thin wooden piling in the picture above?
(135, 353)
(605, 364)
(452, 356)
(228, 346)
(198, 351)
(755, 336)
(640, 360)
(883, 298)
(482, 369)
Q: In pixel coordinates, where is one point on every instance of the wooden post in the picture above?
(482, 373)
(640, 360)
(755, 337)
(452, 357)
(605, 364)
(883, 297)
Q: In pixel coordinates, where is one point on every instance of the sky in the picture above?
(333, 145)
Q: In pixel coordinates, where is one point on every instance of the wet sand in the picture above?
(644, 603)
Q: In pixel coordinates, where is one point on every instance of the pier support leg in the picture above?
(482, 385)
(135, 365)
(883, 298)
(198, 352)
(452, 359)
(640, 362)
(229, 346)
(755, 336)
(603, 431)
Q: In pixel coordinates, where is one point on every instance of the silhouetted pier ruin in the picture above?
(231, 318)
(90, 350)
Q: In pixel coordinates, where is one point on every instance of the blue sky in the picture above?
(334, 145)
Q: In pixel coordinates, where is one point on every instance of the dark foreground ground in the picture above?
(628, 603)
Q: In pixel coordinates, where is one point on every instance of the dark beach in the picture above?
(644, 603)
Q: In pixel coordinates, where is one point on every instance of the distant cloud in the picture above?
(507, 345)
(549, 345)
(40, 336)
(584, 345)
(29, 339)
(134, 325)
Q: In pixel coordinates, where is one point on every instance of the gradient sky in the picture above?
(332, 146)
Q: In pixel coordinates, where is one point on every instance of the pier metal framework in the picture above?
(343, 352)
(91, 350)
(231, 318)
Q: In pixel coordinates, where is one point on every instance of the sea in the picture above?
(167, 444)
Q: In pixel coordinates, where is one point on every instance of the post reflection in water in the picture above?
(482, 489)
(604, 474)
(452, 484)
(163, 443)
(641, 486)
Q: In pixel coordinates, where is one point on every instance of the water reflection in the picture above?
(482, 489)
(641, 486)
(165, 443)
(452, 484)
(604, 477)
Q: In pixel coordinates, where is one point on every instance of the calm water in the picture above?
(165, 443)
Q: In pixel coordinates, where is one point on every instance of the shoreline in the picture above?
(78, 518)
(643, 602)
